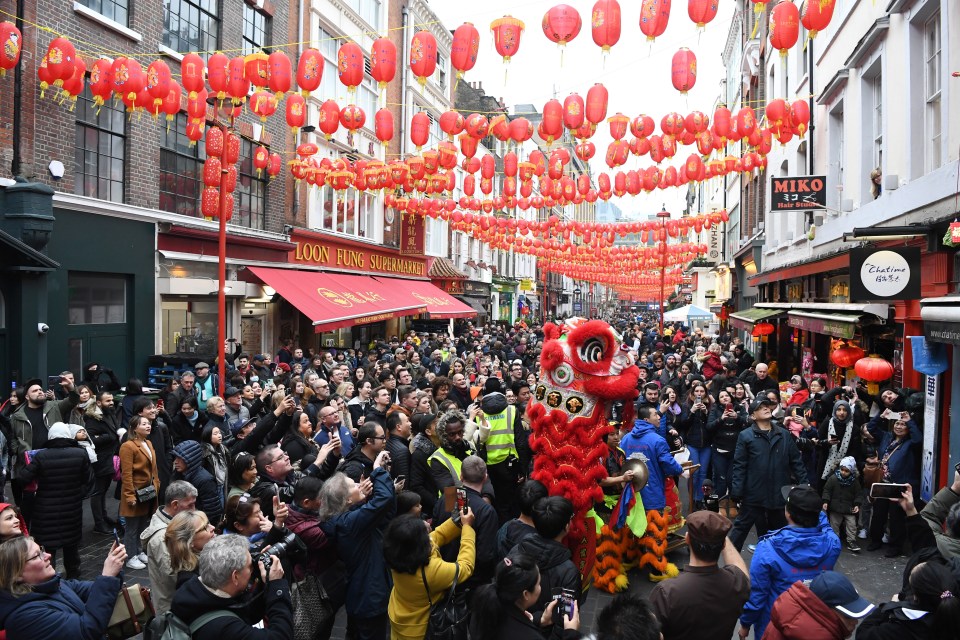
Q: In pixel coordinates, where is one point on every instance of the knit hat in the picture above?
(849, 463)
(59, 430)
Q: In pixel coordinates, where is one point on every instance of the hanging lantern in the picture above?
(256, 67)
(500, 127)
(463, 51)
(171, 104)
(101, 85)
(618, 125)
(552, 122)
(506, 36)
(596, 107)
(846, 355)
(817, 15)
(561, 24)
(11, 44)
(605, 22)
(654, 15)
(128, 80)
(420, 130)
(477, 126)
(521, 130)
(451, 123)
(329, 118)
(423, 56)
(263, 104)
(231, 149)
(350, 65)
(468, 145)
(683, 71)
(261, 159)
(280, 76)
(383, 62)
(800, 116)
(383, 125)
(192, 72)
(763, 329)
(60, 58)
(296, 112)
(238, 86)
(309, 71)
(212, 168)
(275, 166)
(214, 143)
(158, 82)
(197, 106)
(194, 131)
(874, 370)
(74, 86)
(218, 74)
(784, 27)
(352, 117)
(702, 11)
(573, 111)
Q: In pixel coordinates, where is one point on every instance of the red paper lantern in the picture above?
(197, 106)
(500, 127)
(683, 71)
(846, 356)
(263, 104)
(158, 82)
(451, 123)
(238, 86)
(573, 111)
(463, 51)
(280, 78)
(256, 67)
(60, 59)
(618, 125)
(74, 86)
(261, 159)
(423, 56)
(817, 15)
(218, 74)
(275, 166)
(874, 370)
(800, 116)
(596, 108)
(654, 15)
(352, 117)
(212, 168)
(192, 71)
(477, 126)
(350, 65)
(309, 71)
(420, 129)
(763, 329)
(194, 131)
(329, 118)
(506, 36)
(702, 11)
(231, 149)
(171, 104)
(784, 26)
(552, 123)
(214, 143)
(561, 24)
(296, 112)
(383, 61)
(606, 24)
(11, 43)
(128, 81)
(521, 130)
(468, 145)
(101, 85)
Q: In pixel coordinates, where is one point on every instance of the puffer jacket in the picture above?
(695, 427)
(798, 614)
(763, 462)
(209, 493)
(63, 474)
(782, 558)
(421, 479)
(61, 608)
(557, 570)
(645, 440)
(192, 600)
(725, 431)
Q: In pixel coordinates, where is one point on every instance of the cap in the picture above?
(836, 590)
(802, 497)
(419, 421)
(32, 381)
(492, 385)
(283, 366)
(201, 365)
(258, 358)
(239, 424)
(760, 402)
(708, 526)
(231, 391)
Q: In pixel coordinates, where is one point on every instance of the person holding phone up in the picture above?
(898, 451)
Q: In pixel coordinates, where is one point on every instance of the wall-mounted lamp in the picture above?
(866, 234)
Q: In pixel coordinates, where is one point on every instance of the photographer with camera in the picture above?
(215, 606)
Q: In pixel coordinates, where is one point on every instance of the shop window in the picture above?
(181, 169)
(191, 25)
(391, 227)
(256, 30)
(189, 326)
(96, 299)
(116, 10)
(99, 149)
(251, 191)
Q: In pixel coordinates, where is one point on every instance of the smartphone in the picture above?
(729, 406)
(889, 490)
(957, 467)
(118, 533)
(567, 598)
(449, 498)
(462, 500)
(53, 381)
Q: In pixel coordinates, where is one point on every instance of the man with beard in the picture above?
(460, 392)
(670, 376)
(446, 461)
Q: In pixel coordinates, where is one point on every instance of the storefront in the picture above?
(941, 327)
(504, 292)
(477, 296)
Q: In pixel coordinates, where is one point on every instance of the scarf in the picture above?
(837, 452)
(845, 482)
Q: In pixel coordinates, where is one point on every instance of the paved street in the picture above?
(876, 577)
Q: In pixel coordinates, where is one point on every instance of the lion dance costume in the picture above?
(583, 370)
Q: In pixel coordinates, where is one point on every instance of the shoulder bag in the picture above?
(448, 617)
(132, 612)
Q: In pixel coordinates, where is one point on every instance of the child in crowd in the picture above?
(841, 500)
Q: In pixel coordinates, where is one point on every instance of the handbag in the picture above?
(146, 494)
(117, 474)
(311, 607)
(132, 612)
(448, 617)
(872, 473)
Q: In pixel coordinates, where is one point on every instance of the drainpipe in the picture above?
(404, 102)
(17, 160)
(811, 126)
(301, 28)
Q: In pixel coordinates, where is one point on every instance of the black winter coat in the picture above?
(105, 443)
(557, 570)
(181, 429)
(63, 474)
(192, 600)
(399, 449)
(695, 427)
(765, 461)
(725, 431)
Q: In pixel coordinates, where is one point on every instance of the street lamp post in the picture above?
(663, 215)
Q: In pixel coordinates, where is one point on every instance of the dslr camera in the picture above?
(291, 546)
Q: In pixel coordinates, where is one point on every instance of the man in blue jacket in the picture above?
(766, 458)
(800, 551)
(647, 441)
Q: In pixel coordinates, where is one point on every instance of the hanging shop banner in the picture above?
(931, 391)
(526, 284)
(412, 235)
(929, 358)
(885, 274)
(799, 193)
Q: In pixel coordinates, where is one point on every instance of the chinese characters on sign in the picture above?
(885, 274)
(412, 235)
(798, 193)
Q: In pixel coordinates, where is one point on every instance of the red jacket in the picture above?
(799, 397)
(711, 366)
(798, 614)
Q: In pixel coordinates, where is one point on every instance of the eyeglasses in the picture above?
(280, 457)
(379, 438)
(39, 554)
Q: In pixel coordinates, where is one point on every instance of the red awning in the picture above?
(440, 304)
(335, 300)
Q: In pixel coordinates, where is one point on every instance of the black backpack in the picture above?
(448, 617)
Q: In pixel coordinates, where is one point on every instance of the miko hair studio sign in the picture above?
(885, 274)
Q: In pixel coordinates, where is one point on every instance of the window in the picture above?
(255, 30)
(369, 10)
(181, 170)
(349, 212)
(435, 235)
(251, 190)
(99, 150)
(836, 158)
(876, 87)
(328, 44)
(191, 25)
(441, 71)
(932, 73)
(116, 10)
(96, 298)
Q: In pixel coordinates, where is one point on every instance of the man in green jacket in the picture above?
(941, 515)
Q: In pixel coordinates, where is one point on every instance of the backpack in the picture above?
(167, 626)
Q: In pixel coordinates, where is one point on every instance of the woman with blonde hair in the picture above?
(186, 535)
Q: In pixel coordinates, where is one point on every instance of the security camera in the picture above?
(43, 328)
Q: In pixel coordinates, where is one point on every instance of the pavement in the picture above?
(877, 578)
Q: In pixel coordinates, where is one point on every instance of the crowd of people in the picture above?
(375, 480)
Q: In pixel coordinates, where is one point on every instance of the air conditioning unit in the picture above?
(846, 205)
(891, 182)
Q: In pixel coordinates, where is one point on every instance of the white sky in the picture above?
(636, 74)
